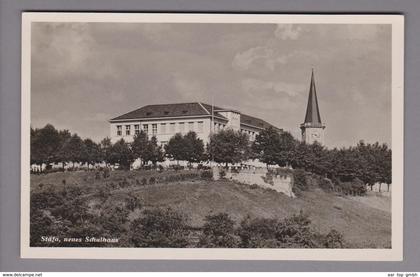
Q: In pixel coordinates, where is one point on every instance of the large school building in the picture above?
(165, 120)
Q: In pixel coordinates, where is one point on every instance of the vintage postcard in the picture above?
(212, 136)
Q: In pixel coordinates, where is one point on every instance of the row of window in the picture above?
(164, 128)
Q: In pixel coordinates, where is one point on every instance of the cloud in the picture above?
(244, 60)
(287, 31)
(255, 85)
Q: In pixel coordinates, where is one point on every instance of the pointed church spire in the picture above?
(312, 116)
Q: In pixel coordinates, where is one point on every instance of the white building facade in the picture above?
(163, 121)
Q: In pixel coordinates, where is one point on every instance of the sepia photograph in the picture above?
(212, 136)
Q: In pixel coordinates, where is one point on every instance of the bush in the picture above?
(160, 228)
(207, 174)
(133, 203)
(334, 239)
(291, 232)
(218, 231)
(106, 173)
(353, 187)
(254, 186)
(299, 182)
(258, 233)
(97, 175)
(152, 181)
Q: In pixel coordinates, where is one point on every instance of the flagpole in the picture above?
(212, 127)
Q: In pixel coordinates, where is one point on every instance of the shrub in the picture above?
(299, 182)
(152, 181)
(222, 174)
(160, 228)
(106, 173)
(113, 220)
(144, 181)
(296, 232)
(334, 239)
(218, 231)
(258, 233)
(133, 203)
(97, 175)
(353, 187)
(254, 186)
(208, 174)
(326, 184)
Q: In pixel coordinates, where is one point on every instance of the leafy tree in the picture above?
(176, 148)
(287, 145)
(121, 153)
(229, 146)
(154, 152)
(218, 231)
(140, 146)
(72, 150)
(45, 143)
(91, 152)
(106, 150)
(267, 146)
(160, 228)
(258, 233)
(194, 147)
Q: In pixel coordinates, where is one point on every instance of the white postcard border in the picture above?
(393, 254)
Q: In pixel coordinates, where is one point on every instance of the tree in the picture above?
(287, 145)
(194, 147)
(229, 146)
(160, 228)
(218, 231)
(266, 146)
(153, 152)
(45, 144)
(176, 148)
(106, 148)
(139, 145)
(91, 152)
(72, 150)
(121, 153)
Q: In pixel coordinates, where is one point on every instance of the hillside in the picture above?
(362, 220)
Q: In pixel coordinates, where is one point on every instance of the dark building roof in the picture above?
(312, 116)
(187, 109)
(256, 122)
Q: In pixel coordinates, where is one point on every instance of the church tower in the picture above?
(312, 128)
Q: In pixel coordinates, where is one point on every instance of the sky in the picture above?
(83, 74)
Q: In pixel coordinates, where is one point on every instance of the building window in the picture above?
(172, 128)
(119, 130)
(200, 126)
(127, 130)
(154, 129)
(190, 126)
(181, 127)
(146, 128)
(163, 128)
(136, 129)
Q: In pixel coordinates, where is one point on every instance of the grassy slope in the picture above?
(361, 223)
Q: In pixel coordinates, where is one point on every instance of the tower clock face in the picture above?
(316, 135)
